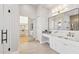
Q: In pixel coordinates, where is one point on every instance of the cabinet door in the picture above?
(59, 45)
(1, 27)
(51, 40)
(11, 19)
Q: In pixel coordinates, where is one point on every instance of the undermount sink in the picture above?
(66, 38)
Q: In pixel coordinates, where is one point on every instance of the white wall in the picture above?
(42, 21)
(28, 10)
(38, 16)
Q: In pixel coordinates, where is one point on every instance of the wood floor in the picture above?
(33, 47)
(23, 39)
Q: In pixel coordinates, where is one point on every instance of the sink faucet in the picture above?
(70, 34)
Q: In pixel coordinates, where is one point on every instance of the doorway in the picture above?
(23, 29)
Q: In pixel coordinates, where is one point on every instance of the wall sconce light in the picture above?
(59, 8)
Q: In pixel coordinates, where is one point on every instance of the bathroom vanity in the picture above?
(65, 32)
(63, 43)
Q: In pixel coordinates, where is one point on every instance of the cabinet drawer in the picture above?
(59, 45)
(51, 41)
(69, 48)
(64, 46)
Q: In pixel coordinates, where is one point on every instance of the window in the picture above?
(23, 20)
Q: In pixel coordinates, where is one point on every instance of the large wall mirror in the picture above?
(65, 21)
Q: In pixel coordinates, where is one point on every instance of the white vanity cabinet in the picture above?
(64, 46)
(9, 24)
(46, 38)
(65, 33)
(56, 44)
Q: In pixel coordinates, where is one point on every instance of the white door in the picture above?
(11, 25)
(1, 27)
(9, 22)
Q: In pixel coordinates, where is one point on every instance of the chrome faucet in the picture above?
(70, 34)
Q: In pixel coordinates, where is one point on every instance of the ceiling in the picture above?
(48, 6)
(30, 9)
